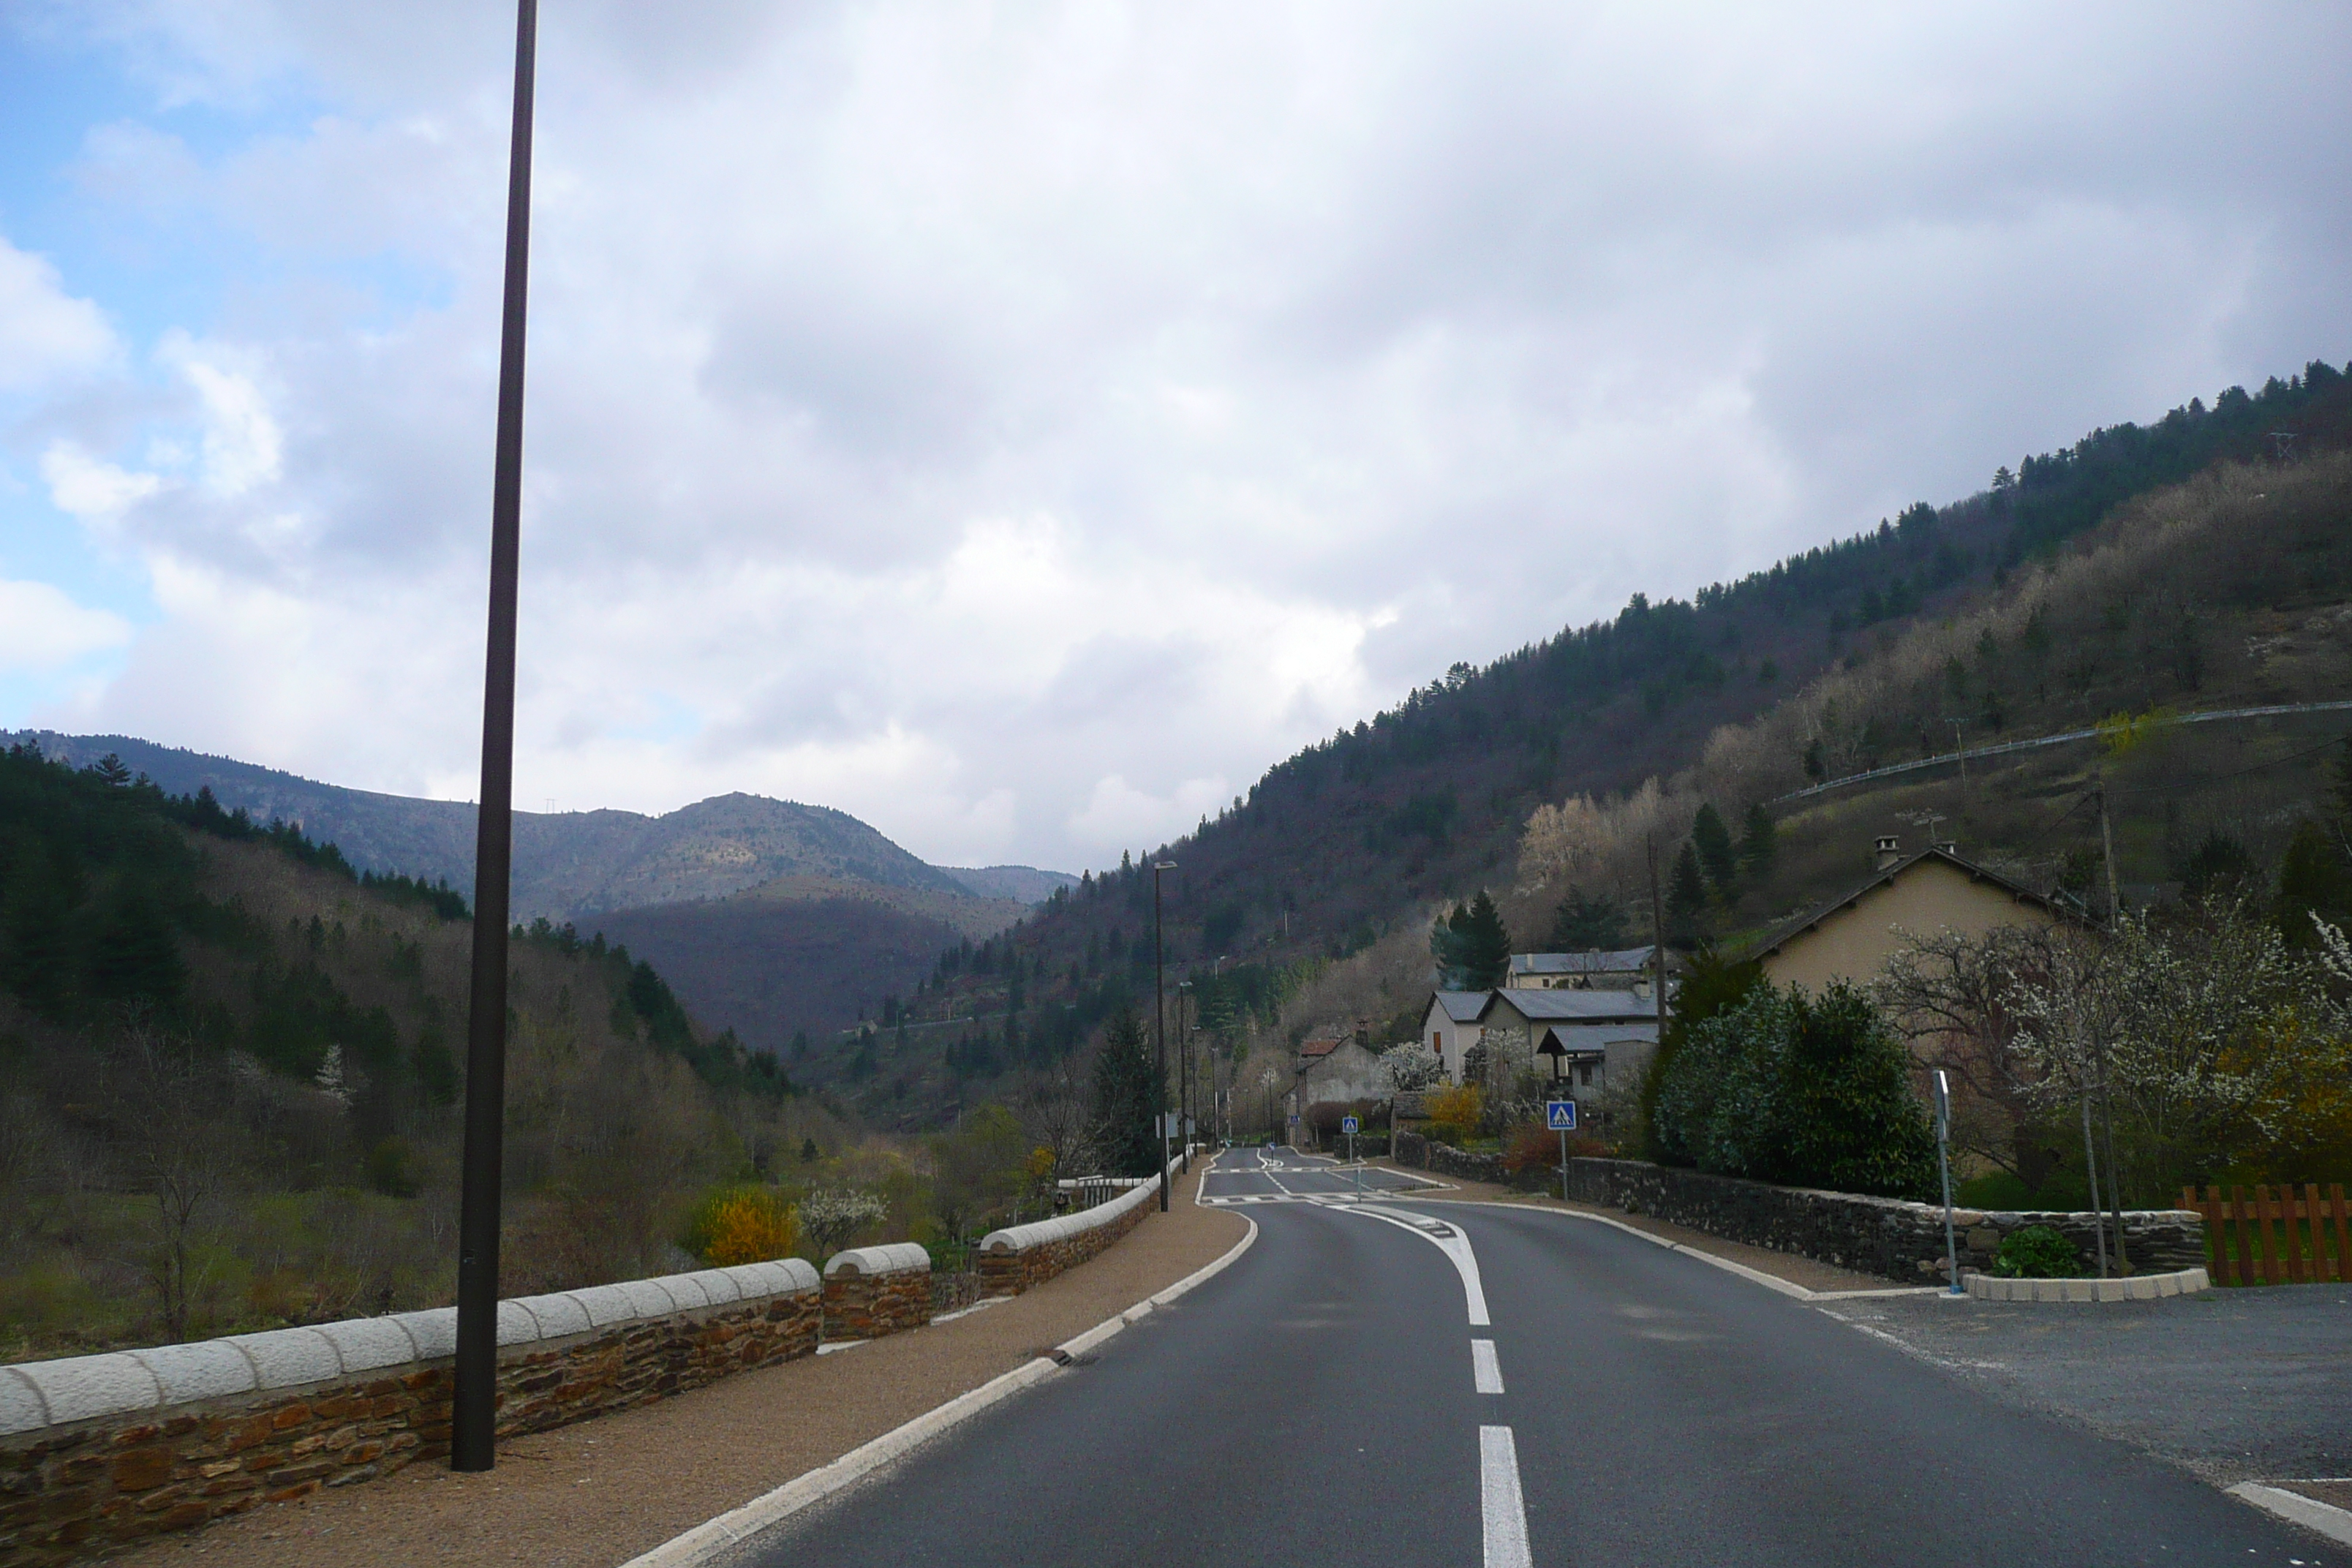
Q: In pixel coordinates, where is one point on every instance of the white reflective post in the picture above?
(1944, 1159)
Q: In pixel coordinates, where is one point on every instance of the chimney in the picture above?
(1363, 1032)
(1950, 847)
(1888, 852)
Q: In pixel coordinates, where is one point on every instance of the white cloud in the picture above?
(45, 333)
(1014, 426)
(95, 492)
(41, 628)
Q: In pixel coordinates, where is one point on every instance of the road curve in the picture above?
(1330, 1399)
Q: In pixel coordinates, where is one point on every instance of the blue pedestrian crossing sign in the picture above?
(1560, 1115)
(1348, 1125)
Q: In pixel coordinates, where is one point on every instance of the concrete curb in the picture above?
(2137, 1288)
(705, 1542)
(2325, 1518)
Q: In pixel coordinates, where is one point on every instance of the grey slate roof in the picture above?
(1461, 1006)
(1537, 1006)
(1619, 960)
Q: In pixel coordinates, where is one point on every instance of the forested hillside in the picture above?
(1359, 838)
(229, 1075)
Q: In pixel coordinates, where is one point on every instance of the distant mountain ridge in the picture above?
(568, 865)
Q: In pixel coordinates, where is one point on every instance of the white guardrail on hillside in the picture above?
(1062, 1227)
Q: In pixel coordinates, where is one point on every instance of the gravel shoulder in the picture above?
(2234, 1385)
(602, 1492)
(1801, 1271)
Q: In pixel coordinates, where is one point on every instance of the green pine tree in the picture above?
(1686, 902)
(1759, 843)
(1715, 855)
(1471, 946)
(1582, 924)
(1128, 1097)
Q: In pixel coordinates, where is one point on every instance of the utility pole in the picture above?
(2099, 1039)
(1184, 1078)
(1159, 1027)
(473, 1436)
(1657, 931)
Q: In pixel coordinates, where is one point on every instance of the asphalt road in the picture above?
(1445, 1384)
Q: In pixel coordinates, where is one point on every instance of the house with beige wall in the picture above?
(1853, 936)
(1449, 1027)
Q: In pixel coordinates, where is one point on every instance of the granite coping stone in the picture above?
(209, 1369)
(285, 1358)
(556, 1315)
(34, 1395)
(366, 1344)
(433, 1331)
(1061, 1227)
(21, 1409)
(81, 1387)
(897, 1258)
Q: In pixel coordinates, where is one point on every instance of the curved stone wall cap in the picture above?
(1061, 1227)
(434, 1331)
(79, 1387)
(686, 1290)
(717, 1285)
(20, 1405)
(893, 1258)
(783, 1277)
(557, 1315)
(286, 1358)
(647, 1298)
(366, 1344)
(209, 1369)
(517, 1327)
(605, 1304)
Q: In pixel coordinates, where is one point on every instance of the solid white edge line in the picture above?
(705, 1541)
(1772, 1282)
(1502, 1509)
(1486, 1368)
(1465, 1261)
(2325, 1518)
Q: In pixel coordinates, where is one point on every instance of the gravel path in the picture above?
(602, 1492)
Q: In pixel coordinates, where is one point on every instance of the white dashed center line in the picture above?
(1485, 1368)
(1504, 1510)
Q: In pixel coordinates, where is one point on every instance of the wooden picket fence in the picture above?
(2275, 1237)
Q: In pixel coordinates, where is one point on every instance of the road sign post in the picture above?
(1944, 1160)
(1349, 1124)
(1560, 1115)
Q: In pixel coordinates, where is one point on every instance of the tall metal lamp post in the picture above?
(473, 1437)
(1160, 1026)
(1184, 1078)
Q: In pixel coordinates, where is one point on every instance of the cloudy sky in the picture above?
(1020, 424)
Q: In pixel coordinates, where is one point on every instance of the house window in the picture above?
(1584, 1074)
(1437, 1041)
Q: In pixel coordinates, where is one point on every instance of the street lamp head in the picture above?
(1163, 865)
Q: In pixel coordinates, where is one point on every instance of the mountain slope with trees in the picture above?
(230, 1075)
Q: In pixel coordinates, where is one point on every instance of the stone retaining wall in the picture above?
(870, 1291)
(1886, 1237)
(1445, 1159)
(1021, 1257)
(97, 1451)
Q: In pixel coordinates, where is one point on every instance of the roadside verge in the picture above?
(601, 1492)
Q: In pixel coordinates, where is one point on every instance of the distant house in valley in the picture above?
(1449, 1027)
(1336, 1069)
(1851, 938)
(1594, 1043)
(1624, 969)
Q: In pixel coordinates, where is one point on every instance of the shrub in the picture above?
(2037, 1252)
(834, 1215)
(743, 1224)
(1448, 1132)
(1783, 1086)
(1458, 1107)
